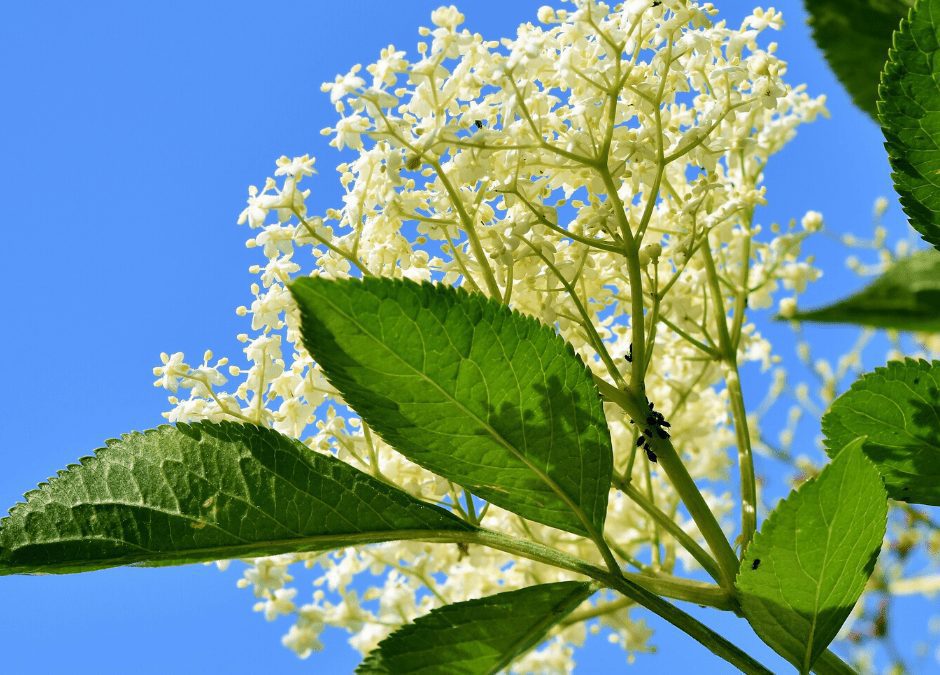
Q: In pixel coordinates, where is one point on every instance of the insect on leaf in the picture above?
(808, 565)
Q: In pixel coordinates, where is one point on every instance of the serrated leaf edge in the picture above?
(490, 307)
(860, 384)
(579, 592)
(892, 71)
(770, 525)
(110, 445)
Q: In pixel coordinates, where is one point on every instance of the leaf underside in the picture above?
(854, 36)
(476, 637)
(897, 409)
(905, 297)
(808, 565)
(909, 110)
(202, 492)
(467, 388)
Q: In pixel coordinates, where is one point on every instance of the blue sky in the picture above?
(128, 136)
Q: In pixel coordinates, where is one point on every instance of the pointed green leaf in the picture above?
(854, 36)
(202, 492)
(808, 565)
(469, 389)
(897, 409)
(476, 636)
(905, 297)
(909, 109)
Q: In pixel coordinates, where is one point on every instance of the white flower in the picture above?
(258, 207)
(344, 85)
(812, 221)
(296, 167)
(787, 307)
(765, 18)
(267, 575)
(385, 70)
(278, 603)
(881, 205)
(447, 17)
(303, 639)
(797, 274)
(267, 308)
(172, 370)
(348, 132)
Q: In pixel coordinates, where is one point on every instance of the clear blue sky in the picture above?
(128, 135)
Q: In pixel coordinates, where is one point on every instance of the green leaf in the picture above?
(905, 297)
(202, 492)
(897, 409)
(808, 565)
(909, 110)
(468, 389)
(476, 636)
(854, 36)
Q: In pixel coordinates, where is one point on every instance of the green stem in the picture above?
(631, 254)
(684, 538)
(691, 626)
(338, 251)
(745, 458)
(708, 525)
(679, 476)
(700, 593)
(740, 300)
(587, 241)
(598, 610)
(730, 358)
(475, 244)
(701, 346)
(654, 539)
(471, 509)
(632, 590)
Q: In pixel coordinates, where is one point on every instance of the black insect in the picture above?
(655, 426)
(629, 356)
(479, 124)
(464, 550)
(755, 564)
(657, 3)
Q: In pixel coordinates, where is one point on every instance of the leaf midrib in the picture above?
(229, 552)
(496, 436)
(540, 627)
(807, 654)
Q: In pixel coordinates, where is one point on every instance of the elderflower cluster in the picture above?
(520, 168)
